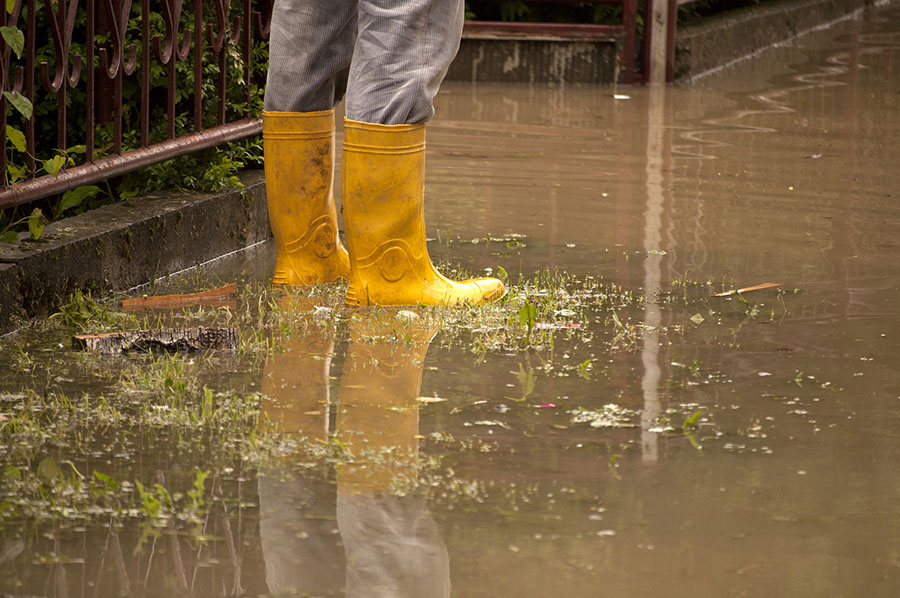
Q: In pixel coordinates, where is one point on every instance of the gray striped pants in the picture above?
(388, 56)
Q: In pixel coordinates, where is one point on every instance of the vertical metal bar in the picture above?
(63, 57)
(629, 23)
(198, 65)
(145, 73)
(648, 40)
(90, 6)
(30, 52)
(170, 90)
(248, 22)
(6, 57)
(670, 41)
(220, 46)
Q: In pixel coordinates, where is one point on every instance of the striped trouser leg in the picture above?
(310, 48)
(402, 53)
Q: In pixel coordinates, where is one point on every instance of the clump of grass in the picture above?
(86, 314)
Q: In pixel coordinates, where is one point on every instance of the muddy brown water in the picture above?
(783, 169)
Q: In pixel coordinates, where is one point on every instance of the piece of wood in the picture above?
(165, 301)
(165, 339)
(758, 287)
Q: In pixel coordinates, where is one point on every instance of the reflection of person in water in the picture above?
(391, 543)
(302, 550)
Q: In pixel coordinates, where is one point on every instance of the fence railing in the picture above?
(628, 28)
(153, 81)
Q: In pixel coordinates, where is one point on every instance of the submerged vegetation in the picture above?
(157, 443)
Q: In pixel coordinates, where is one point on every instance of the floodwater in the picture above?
(759, 453)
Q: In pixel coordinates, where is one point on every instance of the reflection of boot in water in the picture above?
(392, 543)
(296, 514)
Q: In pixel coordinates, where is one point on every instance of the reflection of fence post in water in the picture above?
(658, 157)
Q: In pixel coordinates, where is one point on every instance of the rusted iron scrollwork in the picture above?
(96, 50)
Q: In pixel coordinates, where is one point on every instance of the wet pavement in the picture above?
(754, 444)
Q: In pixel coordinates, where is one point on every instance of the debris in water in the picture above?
(758, 287)
(485, 422)
(165, 339)
(621, 96)
(609, 416)
(545, 406)
(166, 301)
(556, 325)
(431, 400)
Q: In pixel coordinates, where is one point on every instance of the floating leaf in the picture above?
(697, 319)
(758, 287)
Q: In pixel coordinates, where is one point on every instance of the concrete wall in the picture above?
(124, 245)
(730, 37)
(542, 59)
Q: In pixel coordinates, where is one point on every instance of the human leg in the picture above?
(310, 47)
(403, 50)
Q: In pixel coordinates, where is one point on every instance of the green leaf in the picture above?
(10, 6)
(36, 223)
(108, 481)
(48, 470)
(54, 164)
(697, 319)
(19, 102)
(16, 137)
(9, 236)
(14, 38)
(75, 197)
(16, 173)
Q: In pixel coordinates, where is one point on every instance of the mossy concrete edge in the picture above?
(120, 246)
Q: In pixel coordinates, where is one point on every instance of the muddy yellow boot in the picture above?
(383, 176)
(299, 156)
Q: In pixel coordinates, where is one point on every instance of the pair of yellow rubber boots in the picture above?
(383, 210)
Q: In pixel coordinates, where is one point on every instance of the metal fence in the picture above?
(90, 50)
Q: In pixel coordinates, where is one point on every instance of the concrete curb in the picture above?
(731, 37)
(123, 245)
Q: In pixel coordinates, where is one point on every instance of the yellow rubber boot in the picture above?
(299, 155)
(383, 175)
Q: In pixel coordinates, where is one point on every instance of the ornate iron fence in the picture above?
(189, 72)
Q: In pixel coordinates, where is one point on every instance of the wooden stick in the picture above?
(759, 287)
(165, 301)
(165, 339)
